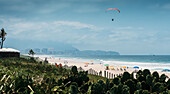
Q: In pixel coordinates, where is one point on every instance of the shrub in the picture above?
(60, 82)
(162, 78)
(74, 83)
(168, 84)
(146, 72)
(120, 87)
(158, 87)
(145, 92)
(103, 85)
(145, 86)
(125, 77)
(149, 80)
(139, 91)
(83, 75)
(111, 85)
(140, 78)
(131, 85)
(125, 89)
(114, 90)
(166, 92)
(74, 70)
(107, 84)
(73, 89)
(156, 75)
(97, 89)
(116, 80)
(84, 88)
(139, 72)
(132, 76)
(138, 86)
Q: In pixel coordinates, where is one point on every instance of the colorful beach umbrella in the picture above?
(117, 66)
(123, 66)
(136, 67)
(111, 66)
(166, 70)
(86, 63)
(106, 64)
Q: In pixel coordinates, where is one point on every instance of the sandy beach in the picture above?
(94, 66)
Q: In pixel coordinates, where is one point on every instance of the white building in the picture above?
(9, 52)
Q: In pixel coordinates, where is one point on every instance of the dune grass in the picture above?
(95, 78)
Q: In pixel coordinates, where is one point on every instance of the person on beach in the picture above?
(65, 62)
(85, 65)
(46, 61)
(107, 67)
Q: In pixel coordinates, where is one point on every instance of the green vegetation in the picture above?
(95, 78)
(21, 75)
(2, 36)
(31, 52)
(25, 75)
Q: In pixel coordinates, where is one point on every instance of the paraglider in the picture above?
(112, 9)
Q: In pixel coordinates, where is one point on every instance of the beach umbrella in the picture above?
(124, 67)
(117, 66)
(166, 70)
(86, 63)
(111, 66)
(106, 64)
(136, 67)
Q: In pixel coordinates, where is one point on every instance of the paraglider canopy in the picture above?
(112, 9)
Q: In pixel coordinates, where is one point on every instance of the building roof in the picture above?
(9, 50)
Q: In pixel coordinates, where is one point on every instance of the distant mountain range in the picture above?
(51, 48)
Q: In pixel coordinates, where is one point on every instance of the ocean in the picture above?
(152, 62)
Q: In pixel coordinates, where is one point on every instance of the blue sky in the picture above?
(141, 27)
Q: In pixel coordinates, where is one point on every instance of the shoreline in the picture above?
(95, 66)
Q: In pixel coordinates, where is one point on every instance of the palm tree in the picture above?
(2, 35)
(31, 52)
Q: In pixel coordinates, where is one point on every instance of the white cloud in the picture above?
(129, 28)
(124, 35)
(77, 25)
(68, 31)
